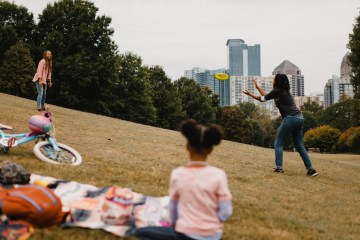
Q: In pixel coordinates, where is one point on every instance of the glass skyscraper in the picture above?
(243, 60)
(206, 78)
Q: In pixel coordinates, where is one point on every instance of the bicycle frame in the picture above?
(46, 147)
(12, 140)
(22, 138)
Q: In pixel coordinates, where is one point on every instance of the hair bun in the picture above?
(190, 129)
(212, 136)
(201, 137)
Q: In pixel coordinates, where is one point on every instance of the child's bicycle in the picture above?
(47, 150)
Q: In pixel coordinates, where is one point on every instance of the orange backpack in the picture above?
(32, 203)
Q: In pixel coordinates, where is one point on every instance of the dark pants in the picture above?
(160, 233)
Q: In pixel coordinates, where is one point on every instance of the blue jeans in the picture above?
(291, 125)
(41, 97)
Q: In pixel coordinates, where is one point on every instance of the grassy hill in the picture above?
(266, 205)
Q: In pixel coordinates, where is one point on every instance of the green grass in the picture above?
(266, 205)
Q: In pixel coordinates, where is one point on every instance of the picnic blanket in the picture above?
(15, 230)
(114, 209)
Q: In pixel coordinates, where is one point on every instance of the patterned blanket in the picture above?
(114, 209)
(15, 230)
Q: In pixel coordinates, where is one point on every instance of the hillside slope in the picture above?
(266, 205)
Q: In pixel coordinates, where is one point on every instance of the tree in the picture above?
(262, 128)
(17, 71)
(347, 140)
(195, 101)
(268, 127)
(215, 104)
(312, 107)
(165, 98)
(249, 109)
(324, 137)
(84, 56)
(256, 136)
(259, 125)
(309, 121)
(235, 125)
(133, 90)
(355, 143)
(354, 59)
(337, 115)
(16, 24)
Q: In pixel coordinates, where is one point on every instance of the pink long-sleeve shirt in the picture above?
(199, 192)
(42, 72)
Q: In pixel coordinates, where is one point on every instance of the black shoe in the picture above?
(311, 173)
(39, 109)
(278, 170)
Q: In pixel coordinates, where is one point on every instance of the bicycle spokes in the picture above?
(61, 156)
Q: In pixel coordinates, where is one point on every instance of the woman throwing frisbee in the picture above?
(292, 121)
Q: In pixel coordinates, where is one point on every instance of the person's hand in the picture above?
(50, 83)
(40, 83)
(255, 83)
(246, 92)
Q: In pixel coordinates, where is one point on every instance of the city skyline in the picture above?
(179, 35)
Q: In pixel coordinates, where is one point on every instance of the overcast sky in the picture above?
(181, 34)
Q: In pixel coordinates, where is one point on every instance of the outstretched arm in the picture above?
(261, 91)
(252, 95)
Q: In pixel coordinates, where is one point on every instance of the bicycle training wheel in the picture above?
(45, 152)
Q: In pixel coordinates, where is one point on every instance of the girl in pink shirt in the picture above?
(42, 78)
(200, 199)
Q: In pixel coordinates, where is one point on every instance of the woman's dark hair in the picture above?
(200, 137)
(281, 81)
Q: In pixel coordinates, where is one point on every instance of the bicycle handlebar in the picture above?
(47, 113)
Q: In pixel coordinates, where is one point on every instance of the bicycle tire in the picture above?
(45, 152)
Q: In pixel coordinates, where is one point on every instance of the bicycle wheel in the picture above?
(45, 152)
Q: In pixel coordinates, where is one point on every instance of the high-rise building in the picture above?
(203, 78)
(220, 87)
(243, 60)
(337, 87)
(345, 68)
(331, 91)
(192, 72)
(346, 87)
(206, 78)
(295, 78)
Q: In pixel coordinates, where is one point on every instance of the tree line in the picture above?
(90, 74)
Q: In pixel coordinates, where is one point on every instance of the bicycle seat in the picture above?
(5, 127)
